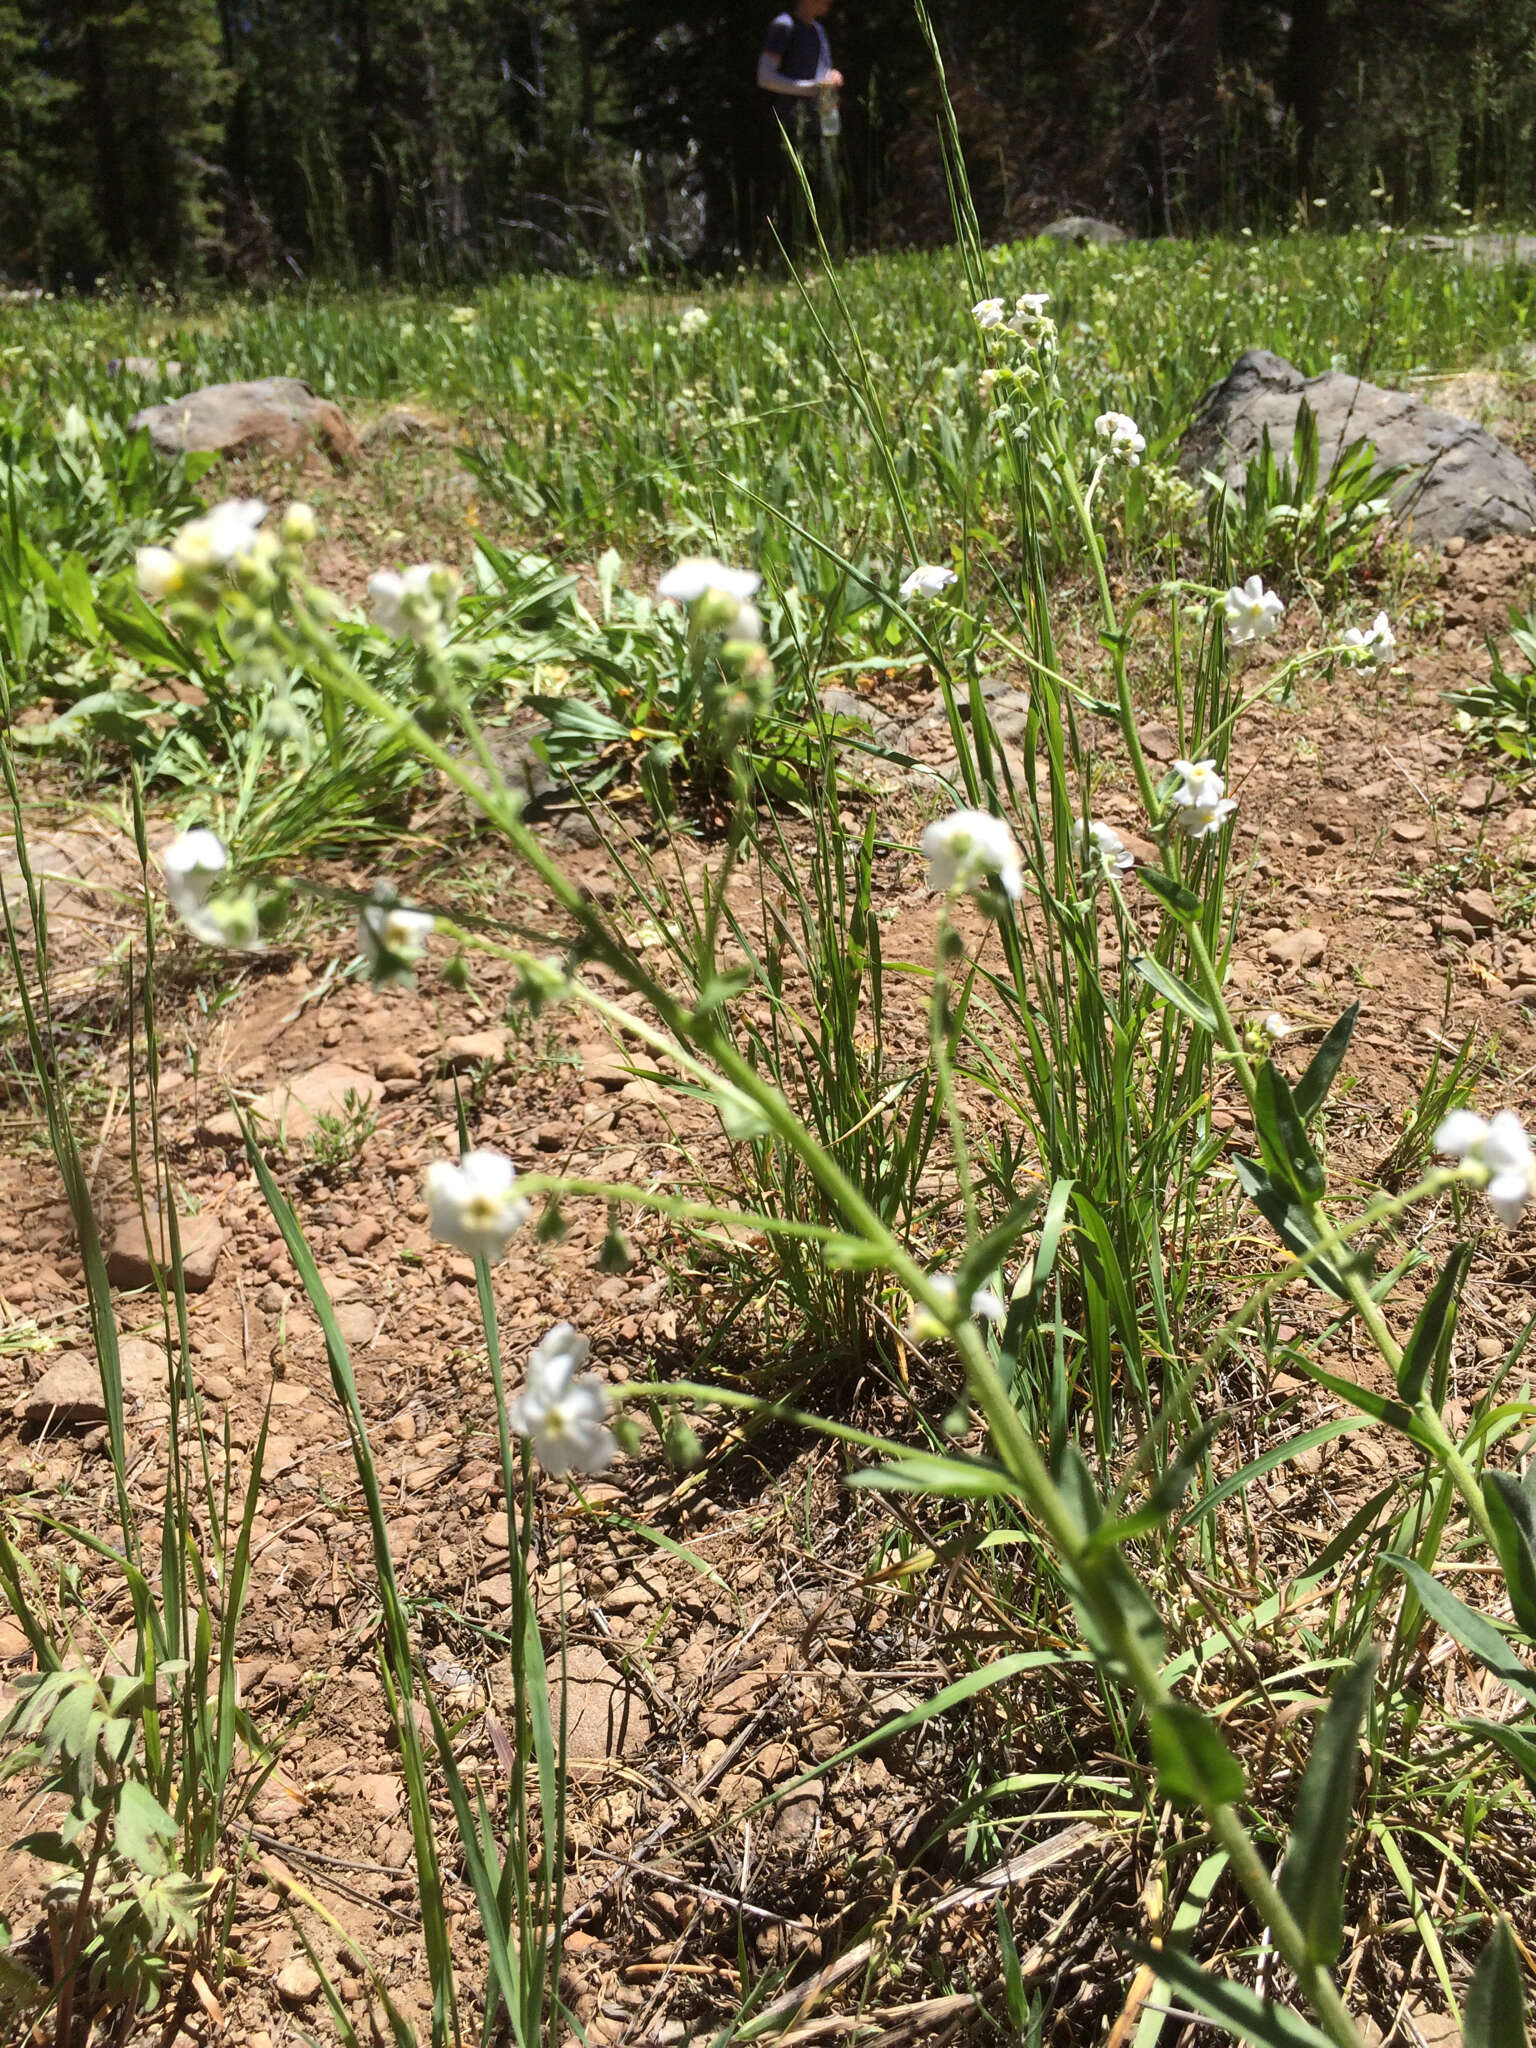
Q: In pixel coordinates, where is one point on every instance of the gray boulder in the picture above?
(1082, 228)
(1462, 480)
(271, 412)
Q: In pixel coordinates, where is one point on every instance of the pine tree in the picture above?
(143, 132)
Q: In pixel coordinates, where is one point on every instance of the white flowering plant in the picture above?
(1062, 1203)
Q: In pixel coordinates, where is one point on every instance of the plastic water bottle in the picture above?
(831, 113)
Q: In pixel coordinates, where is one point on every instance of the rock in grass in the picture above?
(1304, 948)
(269, 412)
(297, 1983)
(68, 1395)
(1462, 480)
(1080, 229)
(201, 1238)
(287, 1112)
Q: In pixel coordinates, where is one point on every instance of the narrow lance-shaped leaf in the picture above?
(1193, 1761)
(1475, 1632)
(1283, 1137)
(1312, 1877)
(1281, 1209)
(1173, 989)
(1183, 902)
(1434, 1328)
(1512, 1511)
(1494, 2016)
(1241, 2011)
(1311, 1091)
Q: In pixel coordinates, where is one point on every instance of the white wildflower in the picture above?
(473, 1203)
(1101, 847)
(694, 321)
(563, 1409)
(1275, 1027)
(1029, 312)
(928, 579)
(1253, 612)
(1127, 443)
(699, 575)
(220, 537)
(414, 603)
(391, 938)
(923, 1326)
(1374, 647)
(195, 864)
(987, 313)
(1201, 803)
(970, 850)
(160, 573)
(1502, 1149)
(300, 525)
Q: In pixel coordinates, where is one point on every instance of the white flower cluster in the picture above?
(227, 539)
(1201, 804)
(928, 579)
(474, 1205)
(415, 603)
(1127, 443)
(1252, 612)
(1373, 648)
(1029, 320)
(694, 321)
(196, 866)
(1100, 849)
(1502, 1150)
(972, 850)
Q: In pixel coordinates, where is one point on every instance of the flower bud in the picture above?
(300, 525)
(159, 572)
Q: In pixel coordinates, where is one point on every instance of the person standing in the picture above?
(796, 71)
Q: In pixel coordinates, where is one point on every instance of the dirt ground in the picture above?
(1388, 863)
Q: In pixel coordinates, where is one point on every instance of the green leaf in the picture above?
(1475, 1632)
(1494, 2014)
(1176, 991)
(1512, 1511)
(1289, 1220)
(1241, 2011)
(1312, 1877)
(1193, 1761)
(79, 595)
(1283, 1136)
(1184, 904)
(1434, 1328)
(1169, 1490)
(143, 1828)
(1311, 1090)
(1174, 1484)
(923, 1472)
(1519, 1747)
(1278, 1454)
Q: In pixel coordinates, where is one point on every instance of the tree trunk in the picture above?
(1308, 71)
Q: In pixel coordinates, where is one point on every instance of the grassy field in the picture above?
(974, 1481)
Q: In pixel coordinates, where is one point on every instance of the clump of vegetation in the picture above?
(911, 467)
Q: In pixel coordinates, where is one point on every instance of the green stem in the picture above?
(1128, 727)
